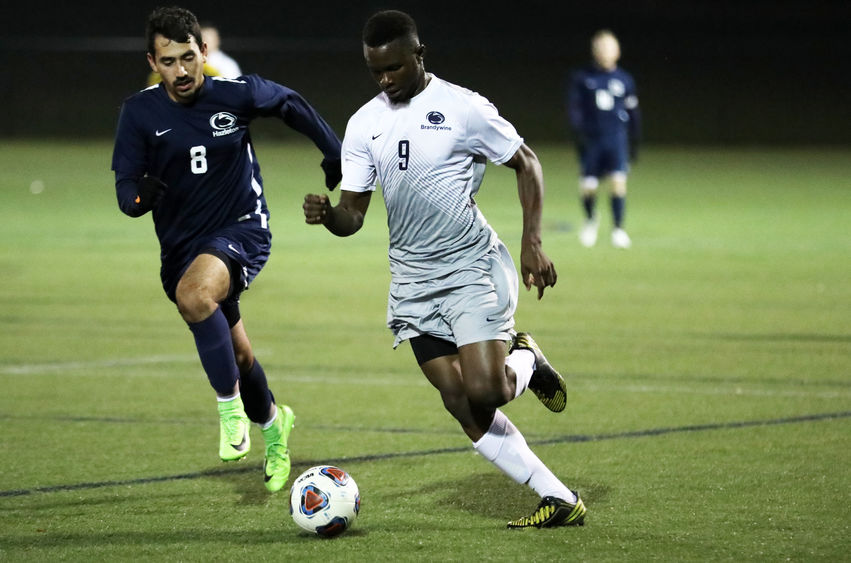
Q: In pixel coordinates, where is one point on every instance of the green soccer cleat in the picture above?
(553, 512)
(234, 441)
(276, 467)
(546, 383)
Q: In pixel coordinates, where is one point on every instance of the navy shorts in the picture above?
(246, 244)
(604, 156)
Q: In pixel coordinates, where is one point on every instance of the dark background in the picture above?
(731, 73)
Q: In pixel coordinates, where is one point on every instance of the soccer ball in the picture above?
(324, 500)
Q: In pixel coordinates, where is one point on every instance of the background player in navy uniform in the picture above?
(454, 286)
(183, 152)
(604, 115)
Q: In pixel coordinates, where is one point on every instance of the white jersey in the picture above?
(429, 156)
(226, 66)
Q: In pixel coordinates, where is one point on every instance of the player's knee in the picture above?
(485, 392)
(194, 306)
(454, 400)
(588, 185)
(619, 184)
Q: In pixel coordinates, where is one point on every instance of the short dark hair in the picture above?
(388, 25)
(174, 23)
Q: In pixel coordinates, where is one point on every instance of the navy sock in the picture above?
(588, 202)
(255, 392)
(618, 205)
(215, 348)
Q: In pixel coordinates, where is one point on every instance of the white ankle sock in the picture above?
(268, 424)
(226, 399)
(504, 446)
(523, 364)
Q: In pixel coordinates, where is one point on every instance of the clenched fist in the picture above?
(317, 209)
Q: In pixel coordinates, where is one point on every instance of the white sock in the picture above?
(523, 364)
(504, 446)
(268, 424)
(226, 399)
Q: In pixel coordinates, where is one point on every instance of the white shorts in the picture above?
(474, 304)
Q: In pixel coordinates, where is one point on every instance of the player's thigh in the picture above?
(482, 307)
(591, 159)
(483, 366)
(412, 310)
(245, 245)
(473, 304)
(615, 157)
(444, 373)
(204, 283)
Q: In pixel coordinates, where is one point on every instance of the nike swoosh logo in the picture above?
(240, 446)
(161, 133)
(235, 250)
(374, 137)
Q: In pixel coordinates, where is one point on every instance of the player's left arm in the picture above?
(272, 98)
(302, 117)
(535, 266)
(634, 123)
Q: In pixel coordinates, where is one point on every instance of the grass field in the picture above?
(710, 374)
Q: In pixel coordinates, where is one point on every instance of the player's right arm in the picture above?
(575, 114)
(136, 191)
(137, 196)
(344, 219)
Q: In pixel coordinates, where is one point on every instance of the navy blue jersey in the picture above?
(603, 104)
(203, 153)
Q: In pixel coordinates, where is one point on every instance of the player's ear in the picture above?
(152, 62)
(420, 52)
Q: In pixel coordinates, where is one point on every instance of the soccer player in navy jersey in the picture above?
(183, 152)
(603, 111)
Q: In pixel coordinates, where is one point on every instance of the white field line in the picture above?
(81, 367)
(44, 369)
(736, 390)
(382, 380)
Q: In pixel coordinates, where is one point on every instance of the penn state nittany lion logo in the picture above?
(223, 123)
(435, 117)
(222, 120)
(616, 87)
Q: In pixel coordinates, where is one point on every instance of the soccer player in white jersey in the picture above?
(454, 286)
(224, 64)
